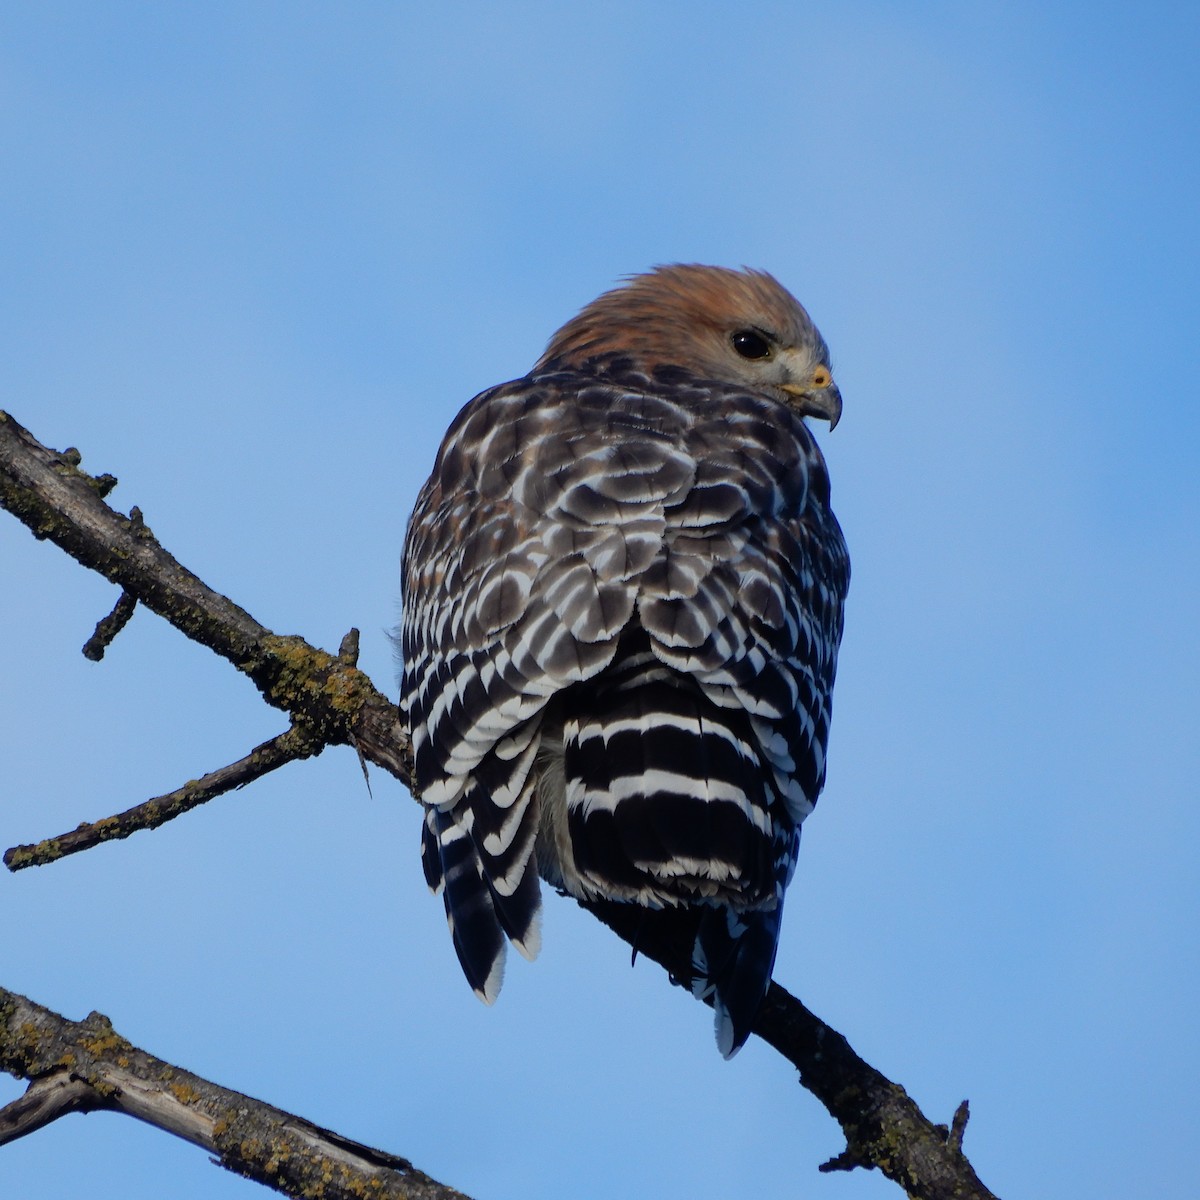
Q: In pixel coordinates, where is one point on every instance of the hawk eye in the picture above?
(749, 343)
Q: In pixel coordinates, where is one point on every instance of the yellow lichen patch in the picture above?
(299, 660)
(104, 1043)
(184, 1093)
(29, 1037)
(345, 690)
(45, 851)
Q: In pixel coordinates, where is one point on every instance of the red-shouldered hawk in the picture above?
(623, 591)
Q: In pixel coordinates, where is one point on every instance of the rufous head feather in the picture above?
(739, 327)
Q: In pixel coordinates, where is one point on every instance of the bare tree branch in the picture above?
(46, 1099)
(336, 704)
(85, 1066)
(57, 501)
(108, 627)
(882, 1124)
(287, 747)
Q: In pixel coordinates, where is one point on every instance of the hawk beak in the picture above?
(825, 403)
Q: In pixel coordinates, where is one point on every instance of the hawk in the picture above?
(623, 590)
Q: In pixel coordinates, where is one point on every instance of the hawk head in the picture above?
(737, 327)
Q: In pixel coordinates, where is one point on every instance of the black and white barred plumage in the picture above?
(623, 591)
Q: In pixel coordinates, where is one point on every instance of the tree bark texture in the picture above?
(86, 1066)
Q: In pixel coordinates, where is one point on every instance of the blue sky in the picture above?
(256, 256)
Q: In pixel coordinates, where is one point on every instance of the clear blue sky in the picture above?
(256, 256)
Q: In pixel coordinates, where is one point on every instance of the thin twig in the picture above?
(958, 1126)
(348, 649)
(286, 747)
(108, 627)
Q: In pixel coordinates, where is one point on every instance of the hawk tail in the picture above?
(481, 919)
(732, 960)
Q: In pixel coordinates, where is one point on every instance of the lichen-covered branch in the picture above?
(47, 491)
(85, 1066)
(882, 1124)
(292, 744)
(336, 704)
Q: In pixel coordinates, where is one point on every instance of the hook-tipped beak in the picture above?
(825, 403)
